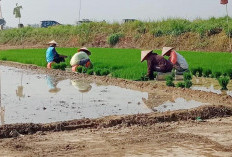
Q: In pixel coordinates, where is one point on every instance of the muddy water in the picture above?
(37, 98)
(178, 104)
(27, 97)
(210, 85)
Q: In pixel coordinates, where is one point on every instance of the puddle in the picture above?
(34, 98)
(178, 104)
(210, 85)
(27, 97)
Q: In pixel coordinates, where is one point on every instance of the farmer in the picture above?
(52, 55)
(155, 63)
(178, 61)
(81, 58)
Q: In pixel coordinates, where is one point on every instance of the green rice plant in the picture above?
(169, 81)
(97, 71)
(207, 72)
(194, 71)
(79, 69)
(180, 84)
(169, 77)
(188, 83)
(60, 66)
(4, 58)
(187, 76)
(216, 74)
(200, 71)
(113, 39)
(104, 72)
(223, 81)
(229, 73)
(90, 72)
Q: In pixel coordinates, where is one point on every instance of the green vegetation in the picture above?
(169, 81)
(224, 81)
(96, 32)
(122, 63)
(114, 39)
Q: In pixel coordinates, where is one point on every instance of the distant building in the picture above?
(83, 21)
(128, 20)
(48, 23)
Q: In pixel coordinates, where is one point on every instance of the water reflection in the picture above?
(19, 91)
(52, 83)
(81, 85)
(2, 115)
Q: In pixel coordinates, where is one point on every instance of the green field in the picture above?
(122, 63)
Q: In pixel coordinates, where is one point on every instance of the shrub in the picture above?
(224, 81)
(188, 83)
(180, 84)
(207, 72)
(187, 76)
(113, 39)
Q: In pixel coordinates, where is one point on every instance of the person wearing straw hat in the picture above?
(155, 63)
(52, 55)
(178, 61)
(81, 58)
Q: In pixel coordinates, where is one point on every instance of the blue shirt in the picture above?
(51, 54)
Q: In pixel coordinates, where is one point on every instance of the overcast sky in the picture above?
(67, 11)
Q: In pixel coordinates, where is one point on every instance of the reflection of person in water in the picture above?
(2, 115)
(19, 91)
(52, 83)
(157, 99)
(82, 85)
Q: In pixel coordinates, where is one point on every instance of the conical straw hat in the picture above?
(166, 49)
(85, 50)
(53, 42)
(144, 54)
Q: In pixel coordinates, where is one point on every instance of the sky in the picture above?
(67, 12)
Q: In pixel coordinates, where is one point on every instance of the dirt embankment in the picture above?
(186, 41)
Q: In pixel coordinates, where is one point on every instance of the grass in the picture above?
(122, 63)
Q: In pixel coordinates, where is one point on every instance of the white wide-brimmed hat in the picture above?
(53, 42)
(82, 85)
(144, 54)
(166, 49)
(85, 50)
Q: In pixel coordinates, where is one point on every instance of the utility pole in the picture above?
(2, 21)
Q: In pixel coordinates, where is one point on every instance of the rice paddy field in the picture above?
(122, 63)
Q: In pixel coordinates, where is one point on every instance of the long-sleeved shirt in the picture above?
(178, 59)
(51, 54)
(77, 57)
(157, 63)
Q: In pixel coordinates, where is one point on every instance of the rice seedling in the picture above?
(224, 81)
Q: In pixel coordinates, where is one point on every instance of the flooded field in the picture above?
(27, 97)
(210, 85)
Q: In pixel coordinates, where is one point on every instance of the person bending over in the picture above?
(155, 63)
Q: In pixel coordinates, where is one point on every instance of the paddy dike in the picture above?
(147, 111)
